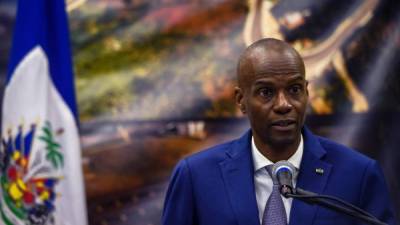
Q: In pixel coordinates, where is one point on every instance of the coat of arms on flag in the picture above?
(28, 190)
(41, 180)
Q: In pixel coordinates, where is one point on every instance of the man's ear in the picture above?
(239, 99)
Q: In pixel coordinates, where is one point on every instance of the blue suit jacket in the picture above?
(216, 186)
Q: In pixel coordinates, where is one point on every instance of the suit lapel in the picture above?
(313, 176)
(238, 174)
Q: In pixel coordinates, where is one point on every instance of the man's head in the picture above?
(272, 91)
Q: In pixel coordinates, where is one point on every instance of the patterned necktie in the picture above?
(274, 212)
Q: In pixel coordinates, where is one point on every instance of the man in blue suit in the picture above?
(229, 184)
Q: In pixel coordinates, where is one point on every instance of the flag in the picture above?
(41, 181)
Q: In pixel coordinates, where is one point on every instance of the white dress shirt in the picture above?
(263, 181)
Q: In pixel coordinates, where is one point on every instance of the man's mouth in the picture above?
(284, 124)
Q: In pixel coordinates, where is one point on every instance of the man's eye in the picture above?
(266, 92)
(295, 89)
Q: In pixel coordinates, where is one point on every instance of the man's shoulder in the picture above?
(337, 151)
(212, 154)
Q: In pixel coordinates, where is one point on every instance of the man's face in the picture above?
(274, 96)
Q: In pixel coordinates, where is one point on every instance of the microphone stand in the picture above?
(331, 203)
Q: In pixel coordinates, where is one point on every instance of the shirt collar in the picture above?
(260, 161)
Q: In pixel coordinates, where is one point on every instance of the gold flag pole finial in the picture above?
(73, 4)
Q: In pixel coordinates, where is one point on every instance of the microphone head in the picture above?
(284, 172)
(283, 165)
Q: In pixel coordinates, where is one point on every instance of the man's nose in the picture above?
(282, 104)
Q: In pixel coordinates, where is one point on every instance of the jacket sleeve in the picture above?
(179, 200)
(375, 196)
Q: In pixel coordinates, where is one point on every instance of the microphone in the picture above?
(284, 172)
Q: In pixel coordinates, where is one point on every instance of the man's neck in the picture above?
(276, 153)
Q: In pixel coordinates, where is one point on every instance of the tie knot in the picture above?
(269, 170)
